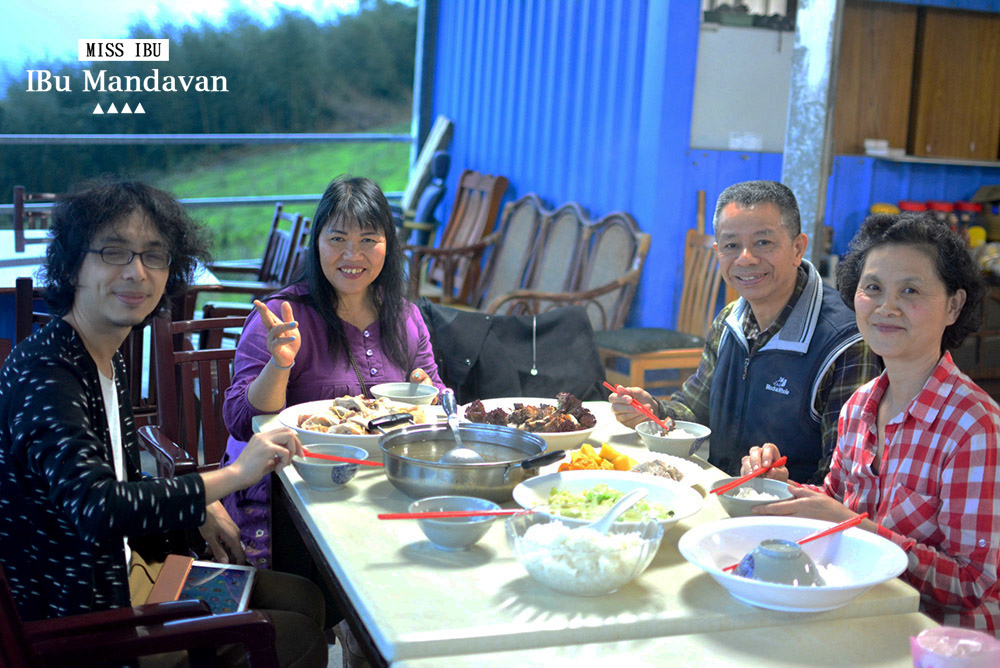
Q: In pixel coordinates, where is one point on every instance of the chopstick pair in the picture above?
(846, 524)
(722, 489)
(444, 514)
(640, 407)
(334, 458)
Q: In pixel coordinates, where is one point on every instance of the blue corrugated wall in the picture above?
(590, 101)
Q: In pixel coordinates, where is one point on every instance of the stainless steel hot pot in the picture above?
(411, 457)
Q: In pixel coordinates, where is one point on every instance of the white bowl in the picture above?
(682, 499)
(851, 562)
(289, 417)
(563, 440)
(405, 393)
(326, 474)
(673, 443)
(454, 534)
(736, 507)
(569, 564)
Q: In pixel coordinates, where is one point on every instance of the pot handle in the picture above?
(542, 459)
(388, 421)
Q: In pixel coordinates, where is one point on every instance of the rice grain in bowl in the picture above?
(578, 560)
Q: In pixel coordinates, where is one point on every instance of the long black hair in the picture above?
(359, 200)
(952, 263)
(79, 215)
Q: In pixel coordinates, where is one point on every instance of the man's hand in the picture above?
(222, 535)
(623, 409)
(763, 455)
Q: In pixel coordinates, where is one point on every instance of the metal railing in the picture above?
(235, 139)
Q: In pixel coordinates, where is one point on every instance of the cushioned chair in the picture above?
(127, 633)
(628, 354)
(419, 228)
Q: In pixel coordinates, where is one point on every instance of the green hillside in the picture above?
(239, 231)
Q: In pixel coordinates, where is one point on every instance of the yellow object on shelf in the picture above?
(977, 236)
(883, 207)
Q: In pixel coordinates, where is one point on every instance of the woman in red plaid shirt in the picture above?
(918, 446)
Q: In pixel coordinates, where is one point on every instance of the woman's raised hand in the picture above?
(283, 339)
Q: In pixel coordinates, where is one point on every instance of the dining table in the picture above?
(411, 604)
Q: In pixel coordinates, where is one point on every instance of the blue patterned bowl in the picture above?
(324, 474)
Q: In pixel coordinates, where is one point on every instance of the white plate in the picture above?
(289, 418)
(680, 498)
(564, 440)
(693, 474)
(863, 560)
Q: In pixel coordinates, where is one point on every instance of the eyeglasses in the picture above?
(151, 259)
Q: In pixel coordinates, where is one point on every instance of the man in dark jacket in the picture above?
(779, 362)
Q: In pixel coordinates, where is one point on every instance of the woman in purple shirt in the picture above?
(344, 326)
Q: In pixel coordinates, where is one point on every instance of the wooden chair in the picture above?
(677, 351)
(454, 265)
(274, 266)
(193, 371)
(140, 373)
(265, 275)
(31, 217)
(126, 633)
(602, 265)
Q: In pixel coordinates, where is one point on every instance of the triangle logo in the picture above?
(126, 110)
(139, 109)
(112, 109)
(97, 109)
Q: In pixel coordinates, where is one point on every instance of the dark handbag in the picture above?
(482, 356)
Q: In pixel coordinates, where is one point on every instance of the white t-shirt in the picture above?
(110, 395)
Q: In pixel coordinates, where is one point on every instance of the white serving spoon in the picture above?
(605, 523)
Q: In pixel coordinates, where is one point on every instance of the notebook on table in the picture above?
(224, 587)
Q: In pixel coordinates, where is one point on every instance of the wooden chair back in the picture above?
(615, 250)
(300, 249)
(473, 216)
(508, 264)
(28, 217)
(193, 372)
(555, 264)
(700, 288)
(281, 244)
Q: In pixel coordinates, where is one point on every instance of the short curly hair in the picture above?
(952, 261)
(78, 217)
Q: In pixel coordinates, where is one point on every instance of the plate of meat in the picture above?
(562, 422)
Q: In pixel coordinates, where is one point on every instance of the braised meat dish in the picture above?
(566, 415)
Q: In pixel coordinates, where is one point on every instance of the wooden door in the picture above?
(956, 98)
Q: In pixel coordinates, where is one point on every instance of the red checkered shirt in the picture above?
(937, 494)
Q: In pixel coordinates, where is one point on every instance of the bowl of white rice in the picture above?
(684, 440)
(758, 491)
(577, 560)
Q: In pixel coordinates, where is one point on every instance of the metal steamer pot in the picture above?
(411, 455)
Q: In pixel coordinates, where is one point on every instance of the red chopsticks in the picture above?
(739, 481)
(846, 524)
(444, 514)
(639, 407)
(334, 458)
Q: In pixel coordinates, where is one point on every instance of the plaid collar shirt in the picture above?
(855, 367)
(937, 493)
